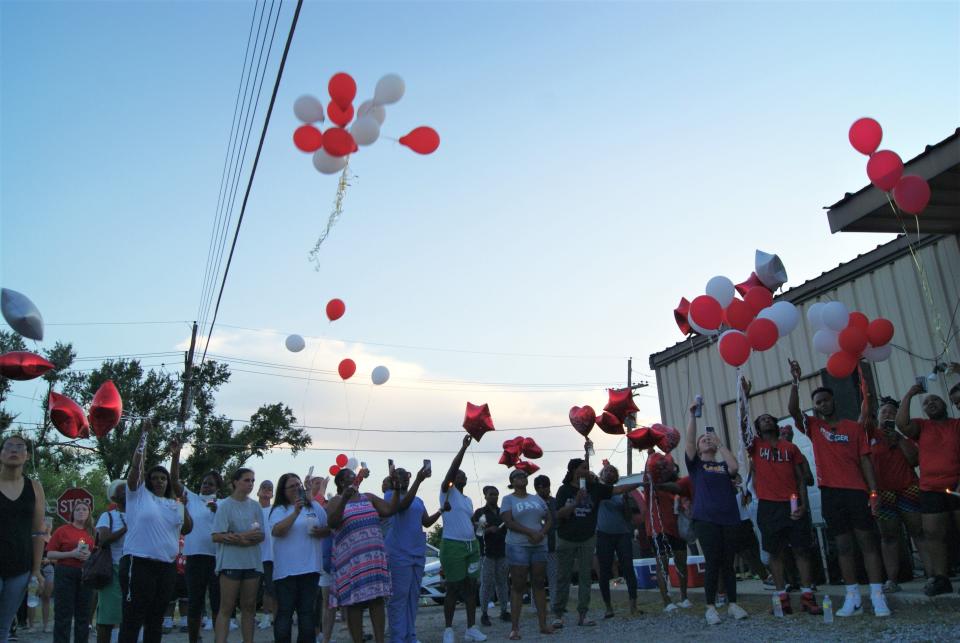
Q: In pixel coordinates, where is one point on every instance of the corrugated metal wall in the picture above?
(892, 290)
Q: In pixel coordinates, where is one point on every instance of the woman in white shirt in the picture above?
(148, 572)
(111, 532)
(298, 525)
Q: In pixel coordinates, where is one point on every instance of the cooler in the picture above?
(646, 569)
(695, 572)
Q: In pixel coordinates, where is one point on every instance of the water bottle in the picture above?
(33, 591)
(777, 606)
(827, 610)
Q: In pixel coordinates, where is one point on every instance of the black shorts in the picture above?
(746, 537)
(938, 502)
(667, 543)
(240, 574)
(845, 510)
(778, 529)
(180, 588)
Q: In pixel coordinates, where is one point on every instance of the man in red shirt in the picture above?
(844, 475)
(938, 440)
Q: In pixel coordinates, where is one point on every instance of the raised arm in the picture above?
(411, 494)
(133, 478)
(690, 439)
(455, 465)
(384, 508)
(793, 404)
(177, 486)
(907, 426)
(336, 506)
(625, 488)
(428, 520)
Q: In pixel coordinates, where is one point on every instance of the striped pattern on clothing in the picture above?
(359, 556)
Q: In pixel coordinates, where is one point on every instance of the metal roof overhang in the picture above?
(869, 211)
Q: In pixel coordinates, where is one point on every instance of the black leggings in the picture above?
(201, 577)
(719, 546)
(146, 587)
(622, 546)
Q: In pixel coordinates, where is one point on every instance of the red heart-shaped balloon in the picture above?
(531, 449)
(610, 423)
(660, 467)
(508, 459)
(670, 439)
(645, 437)
(21, 365)
(620, 403)
(527, 467)
(514, 446)
(106, 408)
(583, 418)
(68, 417)
(477, 420)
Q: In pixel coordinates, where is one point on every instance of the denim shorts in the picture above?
(526, 555)
(240, 574)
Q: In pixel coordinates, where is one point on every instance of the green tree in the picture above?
(435, 535)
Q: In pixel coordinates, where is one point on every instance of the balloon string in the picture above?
(363, 417)
(342, 185)
(306, 387)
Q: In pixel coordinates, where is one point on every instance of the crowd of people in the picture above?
(303, 554)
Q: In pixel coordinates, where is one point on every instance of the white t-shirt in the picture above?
(199, 541)
(298, 552)
(457, 523)
(266, 547)
(153, 525)
(119, 518)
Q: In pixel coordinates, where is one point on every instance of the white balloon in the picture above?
(308, 109)
(877, 353)
(371, 108)
(770, 270)
(835, 315)
(366, 130)
(352, 464)
(389, 90)
(815, 315)
(21, 314)
(826, 341)
(380, 375)
(785, 315)
(700, 329)
(327, 164)
(295, 343)
(721, 289)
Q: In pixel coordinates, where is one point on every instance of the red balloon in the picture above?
(514, 446)
(338, 142)
(583, 419)
(912, 194)
(106, 409)
(763, 334)
(508, 459)
(734, 348)
(752, 282)
(308, 138)
(620, 403)
(343, 89)
(841, 364)
(884, 169)
(680, 316)
(340, 116)
(705, 312)
(660, 467)
(347, 368)
(610, 423)
(865, 135)
(422, 140)
(342, 460)
(646, 437)
(335, 309)
(528, 468)
(334, 469)
(21, 365)
(758, 298)
(531, 449)
(477, 420)
(853, 340)
(738, 314)
(671, 437)
(68, 417)
(859, 320)
(880, 332)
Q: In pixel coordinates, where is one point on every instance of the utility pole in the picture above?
(187, 398)
(631, 422)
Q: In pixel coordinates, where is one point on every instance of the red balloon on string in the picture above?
(763, 334)
(758, 298)
(646, 437)
(680, 316)
(343, 89)
(671, 437)
(583, 419)
(610, 423)
(884, 169)
(422, 140)
(859, 320)
(620, 403)
(660, 467)
(912, 194)
(342, 460)
(341, 117)
(67, 416)
(514, 446)
(531, 449)
(508, 459)
(21, 365)
(852, 340)
(335, 309)
(477, 420)
(705, 312)
(865, 135)
(841, 364)
(752, 282)
(334, 469)
(734, 348)
(738, 314)
(880, 332)
(528, 468)
(338, 142)
(347, 368)
(106, 409)
(308, 138)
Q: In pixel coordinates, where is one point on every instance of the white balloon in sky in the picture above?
(389, 90)
(371, 108)
(308, 109)
(327, 164)
(366, 130)
(295, 343)
(380, 375)
(352, 464)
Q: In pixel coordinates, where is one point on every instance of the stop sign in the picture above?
(71, 497)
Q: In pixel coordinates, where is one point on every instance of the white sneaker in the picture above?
(851, 606)
(737, 612)
(233, 624)
(264, 623)
(448, 636)
(685, 604)
(167, 623)
(879, 605)
(672, 607)
(713, 618)
(473, 634)
(207, 624)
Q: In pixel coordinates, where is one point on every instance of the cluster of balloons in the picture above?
(656, 435)
(347, 367)
(753, 323)
(848, 336)
(477, 420)
(885, 168)
(611, 420)
(517, 447)
(343, 462)
(330, 148)
(104, 414)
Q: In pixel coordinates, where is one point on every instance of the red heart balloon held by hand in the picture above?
(583, 419)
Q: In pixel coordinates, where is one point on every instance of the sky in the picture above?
(597, 162)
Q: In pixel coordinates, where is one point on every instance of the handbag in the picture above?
(97, 570)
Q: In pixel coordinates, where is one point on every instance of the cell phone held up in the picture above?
(921, 381)
(710, 429)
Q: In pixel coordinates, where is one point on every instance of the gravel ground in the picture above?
(915, 618)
